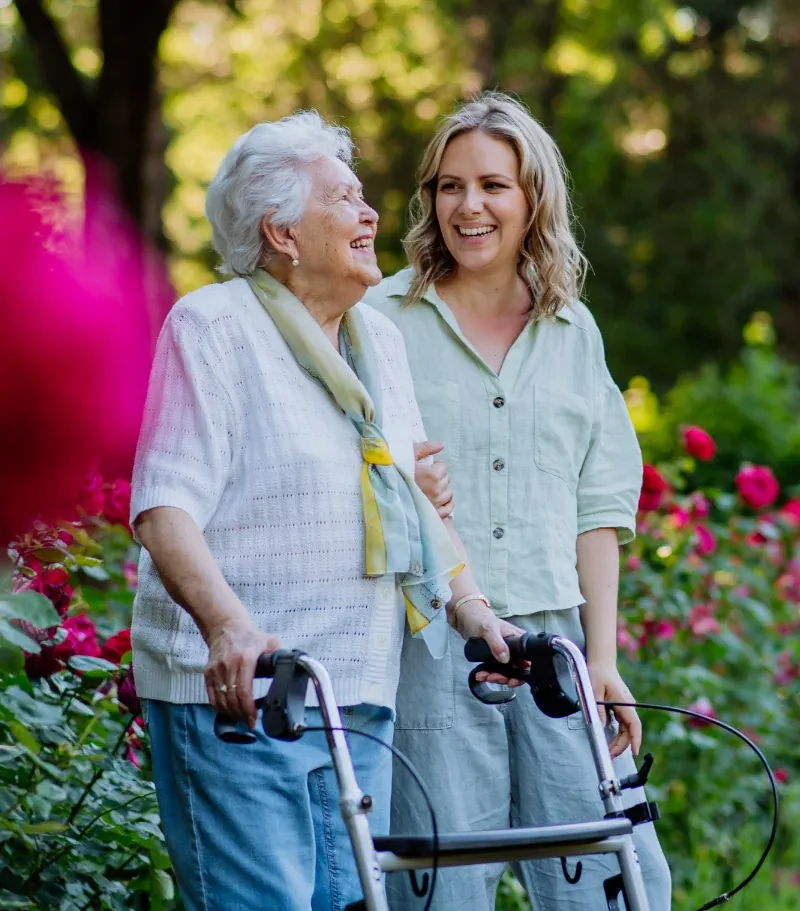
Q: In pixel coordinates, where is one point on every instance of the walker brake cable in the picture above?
(725, 896)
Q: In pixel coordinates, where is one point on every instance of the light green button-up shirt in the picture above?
(537, 454)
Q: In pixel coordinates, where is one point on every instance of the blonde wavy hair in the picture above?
(549, 258)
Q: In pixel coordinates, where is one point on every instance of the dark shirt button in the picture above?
(499, 532)
(436, 604)
(499, 401)
(498, 464)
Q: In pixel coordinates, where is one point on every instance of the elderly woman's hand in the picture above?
(475, 619)
(233, 650)
(433, 478)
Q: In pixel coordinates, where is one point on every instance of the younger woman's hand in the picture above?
(475, 620)
(433, 478)
(609, 686)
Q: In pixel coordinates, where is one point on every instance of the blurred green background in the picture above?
(680, 125)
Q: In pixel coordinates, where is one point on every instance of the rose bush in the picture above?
(79, 825)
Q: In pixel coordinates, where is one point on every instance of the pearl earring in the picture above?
(295, 262)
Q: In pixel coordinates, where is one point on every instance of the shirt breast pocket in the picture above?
(440, 408)
(562, 426)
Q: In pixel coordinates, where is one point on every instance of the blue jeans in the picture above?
(258, 826)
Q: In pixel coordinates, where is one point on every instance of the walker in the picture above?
(560, 683)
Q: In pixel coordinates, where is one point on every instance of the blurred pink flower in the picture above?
(699, 505)
(701, 620)
(81, 639)
(757, 486)
(781, 775)
(790, 512)
(77, 326)
(90, 496)
(633, 562)
(130, 573)
(699, 443)
(626, 641)
(679, 518)
(705, 542)
(704, 707)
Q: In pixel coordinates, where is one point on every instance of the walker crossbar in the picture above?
(612, 835)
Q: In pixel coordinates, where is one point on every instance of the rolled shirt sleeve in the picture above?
(611, 476)
(184, 450)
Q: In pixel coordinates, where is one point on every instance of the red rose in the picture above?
(117, 505)
(653, 486)
(117, 646)
(781, 775)
(52, 583)
(698, 443)
(757, 486)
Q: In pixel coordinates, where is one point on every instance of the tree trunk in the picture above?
(116, 121)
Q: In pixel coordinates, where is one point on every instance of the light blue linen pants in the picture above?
(491, 767)
(257, 827)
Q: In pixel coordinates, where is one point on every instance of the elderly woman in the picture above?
(509, 370)
(274, 498)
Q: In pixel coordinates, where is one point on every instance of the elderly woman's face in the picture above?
(335, 238)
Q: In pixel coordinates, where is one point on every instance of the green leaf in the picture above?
(43, 828)
(12, 635)
(32, 711)
(91, 667)
(30, 606)
(24, 736)
(12, 660)
(163, 886)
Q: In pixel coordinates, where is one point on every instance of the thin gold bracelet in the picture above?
(475, 596)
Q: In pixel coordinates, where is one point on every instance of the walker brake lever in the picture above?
(484, 691)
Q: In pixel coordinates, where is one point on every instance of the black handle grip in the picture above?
(478, 649)
(229, 729)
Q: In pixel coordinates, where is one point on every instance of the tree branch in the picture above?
(60, 75)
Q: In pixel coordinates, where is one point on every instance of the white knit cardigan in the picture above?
(239, 436)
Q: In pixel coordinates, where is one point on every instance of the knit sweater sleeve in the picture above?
(185, 445)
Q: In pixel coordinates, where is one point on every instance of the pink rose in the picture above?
(705, 542)
(130, 573)
(699, 505)
(653, 486)
(702, 622)
(781, 775)
(91, 496)
(757, 486)
(704, 707)
(698, 443)
(679, 517)
(790, 512)
(81, 639)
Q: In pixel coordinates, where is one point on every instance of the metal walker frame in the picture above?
(376, 856)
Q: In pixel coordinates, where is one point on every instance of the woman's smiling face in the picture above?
(481, 208)
(335, 237)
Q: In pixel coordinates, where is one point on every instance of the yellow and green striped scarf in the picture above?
(403, 532)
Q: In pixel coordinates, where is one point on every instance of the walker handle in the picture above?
(230, 729)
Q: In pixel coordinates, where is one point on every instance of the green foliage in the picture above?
(752, 409)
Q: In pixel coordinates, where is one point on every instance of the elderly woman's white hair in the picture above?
(266, 172)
